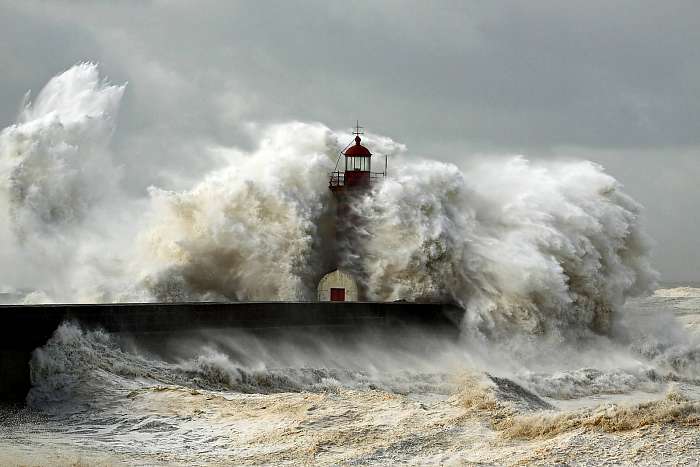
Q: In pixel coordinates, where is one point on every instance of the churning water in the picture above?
(232, 398)
(562, 356)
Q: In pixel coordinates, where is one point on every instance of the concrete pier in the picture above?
(26, 327)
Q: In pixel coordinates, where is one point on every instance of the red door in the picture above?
(337, 295)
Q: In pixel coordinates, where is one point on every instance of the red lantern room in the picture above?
(358, 167)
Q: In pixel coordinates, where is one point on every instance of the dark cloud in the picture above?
(616, 82)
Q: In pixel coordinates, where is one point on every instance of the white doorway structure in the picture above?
(337, 286)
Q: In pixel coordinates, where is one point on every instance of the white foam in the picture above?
(680, 292)
(526, 246)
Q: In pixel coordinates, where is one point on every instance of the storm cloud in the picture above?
(617, 83)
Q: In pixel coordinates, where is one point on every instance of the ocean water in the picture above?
(233, 398)
(565, 355)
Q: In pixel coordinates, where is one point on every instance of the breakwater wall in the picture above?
(23, 328)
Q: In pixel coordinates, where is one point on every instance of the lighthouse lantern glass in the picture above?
(358, 168)
(357, 163)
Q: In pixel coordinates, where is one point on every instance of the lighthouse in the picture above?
(349, 182)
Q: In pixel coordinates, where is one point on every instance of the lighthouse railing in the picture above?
(377, 176)
(337, 178)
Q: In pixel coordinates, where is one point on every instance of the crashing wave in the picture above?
(531, 247)
(518, 244)
(54, 162)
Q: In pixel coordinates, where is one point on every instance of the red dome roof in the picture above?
(357, 150)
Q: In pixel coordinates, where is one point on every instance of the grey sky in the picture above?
(615, 82)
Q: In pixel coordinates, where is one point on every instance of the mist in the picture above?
(534, 246)
(612, 84)
(541, 179)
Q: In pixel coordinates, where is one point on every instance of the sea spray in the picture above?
(55, 164)
(520, 245)
(249, 231)
(548, 250)
(59, 186)
(77, 363)
(546, 247)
